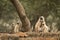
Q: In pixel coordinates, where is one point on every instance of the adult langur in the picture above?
(41, 26)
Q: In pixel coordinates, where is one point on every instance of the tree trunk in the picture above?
(21, 12)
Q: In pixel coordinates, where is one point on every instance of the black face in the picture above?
(43, 24)
(41, 18)
(17, 23)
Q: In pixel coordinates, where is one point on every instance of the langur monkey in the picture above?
(41, 25)
(16, 28)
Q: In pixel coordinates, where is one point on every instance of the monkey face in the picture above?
(42, 25)
(42, 19)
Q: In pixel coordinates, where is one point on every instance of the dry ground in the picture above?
(30, 36)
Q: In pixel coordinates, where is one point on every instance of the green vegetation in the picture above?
(50, 9)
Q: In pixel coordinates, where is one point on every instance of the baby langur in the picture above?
(41, 25)
(16, 28)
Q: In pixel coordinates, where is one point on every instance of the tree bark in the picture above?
(21, 12)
